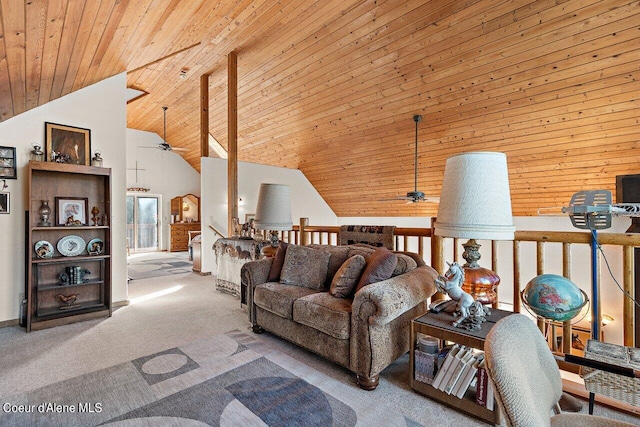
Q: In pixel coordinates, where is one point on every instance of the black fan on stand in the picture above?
(416, 196)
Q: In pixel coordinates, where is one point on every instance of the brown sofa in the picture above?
(364, 332)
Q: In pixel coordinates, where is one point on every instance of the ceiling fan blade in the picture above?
(179, 149)
(430, 199)
(396, 198)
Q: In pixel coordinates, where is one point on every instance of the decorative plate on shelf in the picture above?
(95, 246)
(71, 245)
(43, 249)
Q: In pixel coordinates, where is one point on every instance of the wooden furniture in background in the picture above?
(181, 208)
(180, 235)
(45, 295)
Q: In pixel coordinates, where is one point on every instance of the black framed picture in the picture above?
(72, 211)
(5, 208)
(8, 169)
(67, 144)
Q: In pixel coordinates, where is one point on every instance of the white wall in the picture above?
(101, 108)
(306, 202)
(165, 174)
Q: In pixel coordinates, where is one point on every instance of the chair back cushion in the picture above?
(524, 372)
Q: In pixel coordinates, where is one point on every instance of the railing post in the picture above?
(539, 271)
(628, 308)
(494, 266)
(303, 234)
(566, 272)
(516, 276)
(437, 256)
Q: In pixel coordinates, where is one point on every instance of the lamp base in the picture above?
(479, 282)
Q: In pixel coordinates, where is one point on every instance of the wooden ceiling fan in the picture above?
(164, 145)
(416, 196)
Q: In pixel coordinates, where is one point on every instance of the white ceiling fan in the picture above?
(416, 196)
(164, 145)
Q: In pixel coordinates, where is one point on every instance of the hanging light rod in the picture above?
(415, 195)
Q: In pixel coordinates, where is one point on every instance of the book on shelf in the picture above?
(462, 359)
(484, 388)
(424, 366)
(467, 376)
(442, 371)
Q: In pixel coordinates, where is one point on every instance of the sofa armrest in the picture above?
(252, 274)
(380, 303)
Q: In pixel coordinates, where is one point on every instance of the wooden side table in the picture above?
(439, 325)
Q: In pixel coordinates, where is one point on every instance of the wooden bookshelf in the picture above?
(45, 288)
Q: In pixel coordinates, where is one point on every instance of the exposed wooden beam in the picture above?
(232, 132)
(204, 115)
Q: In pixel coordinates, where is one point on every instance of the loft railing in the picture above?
(435, 250)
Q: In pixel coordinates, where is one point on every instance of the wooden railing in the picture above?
(420, 240)
(627, 243)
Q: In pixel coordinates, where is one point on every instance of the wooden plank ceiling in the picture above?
(331, 86)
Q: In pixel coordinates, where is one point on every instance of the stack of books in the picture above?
(459, 371)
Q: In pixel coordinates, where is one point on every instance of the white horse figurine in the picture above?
(451, 283)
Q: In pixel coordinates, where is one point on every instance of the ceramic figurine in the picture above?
(95, 211)
(471, 313)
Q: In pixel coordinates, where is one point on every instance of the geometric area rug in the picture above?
(224, 380)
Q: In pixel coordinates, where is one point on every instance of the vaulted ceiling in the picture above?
(330, 87)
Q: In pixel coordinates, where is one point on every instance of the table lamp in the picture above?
(475, 203)
(273, 213)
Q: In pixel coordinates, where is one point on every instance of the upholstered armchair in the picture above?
(526, 377)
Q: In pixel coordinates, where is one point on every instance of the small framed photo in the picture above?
(249, 217)
(67, 144)
(72, 211)
(4, 203)
(8, 168)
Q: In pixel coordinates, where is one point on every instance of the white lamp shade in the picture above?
(274, 208)
(475, 202)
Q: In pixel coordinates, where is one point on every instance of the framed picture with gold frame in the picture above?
(67, 144)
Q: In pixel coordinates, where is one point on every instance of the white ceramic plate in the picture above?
(71, 245)
(95, 246)
(43, 249)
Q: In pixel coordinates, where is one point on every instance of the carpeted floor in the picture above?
(158, 264)
(224, 380)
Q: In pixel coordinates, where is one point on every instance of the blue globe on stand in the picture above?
(554, 297)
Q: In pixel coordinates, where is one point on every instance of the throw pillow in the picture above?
(380, 266)
(276, 264)
(405, 263)
(346, 278)
(304, 266)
